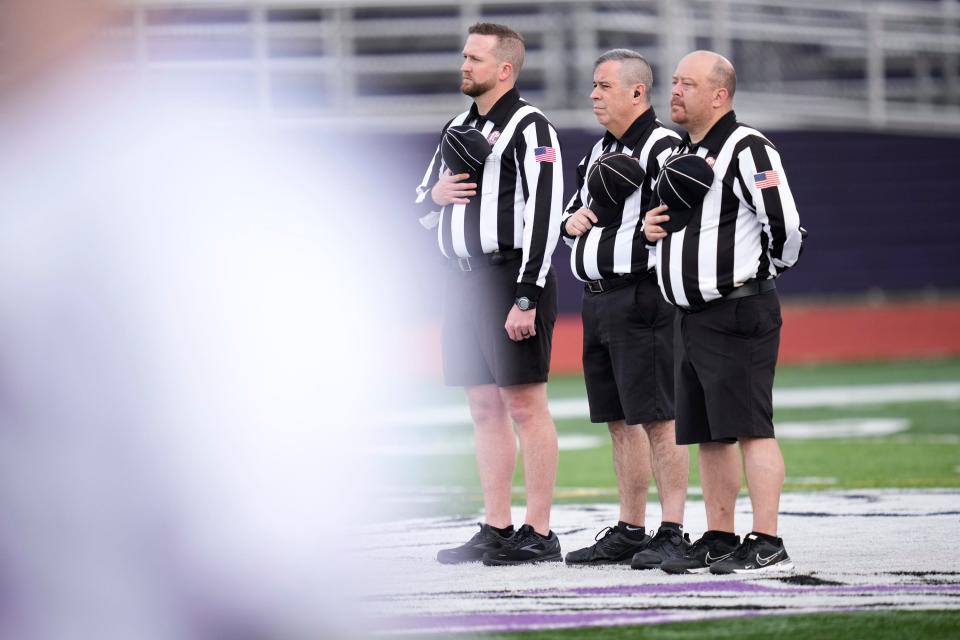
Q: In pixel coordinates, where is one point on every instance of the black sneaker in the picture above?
(701, 554)
(615, 547)
(487, 539)
(756, 555)
(668, 543)
(525, 547)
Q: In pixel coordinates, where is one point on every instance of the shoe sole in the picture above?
(494, 562)
(780, 567)
(453, 562)
(597, 563)
(684, 570)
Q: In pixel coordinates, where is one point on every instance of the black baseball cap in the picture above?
(682, 185)
(612, 178)
(464, 149)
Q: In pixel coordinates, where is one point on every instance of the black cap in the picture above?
(613, 177)
(464, 149)
(682, 185)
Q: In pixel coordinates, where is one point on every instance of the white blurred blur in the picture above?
(186, 340)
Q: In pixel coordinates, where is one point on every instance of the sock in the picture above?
(672, 525)
(632, 531)
(726, 536)
(774, 540)
(506, 532)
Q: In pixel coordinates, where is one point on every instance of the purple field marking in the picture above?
(742, 586)
(523, 621)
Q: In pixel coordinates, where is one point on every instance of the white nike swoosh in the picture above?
(710, 560)
(765, 561)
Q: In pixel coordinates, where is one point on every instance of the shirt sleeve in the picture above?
(659, 152)
(763, 177)
(538, 152)
(428, 211)
(575, 203)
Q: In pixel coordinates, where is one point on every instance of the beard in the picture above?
(474, 89)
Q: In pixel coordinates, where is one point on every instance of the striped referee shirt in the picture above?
(620, 248)
(521, 195)
(746, 228)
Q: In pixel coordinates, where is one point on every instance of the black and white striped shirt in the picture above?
(521, 195)
(620, 248)
(746, 228)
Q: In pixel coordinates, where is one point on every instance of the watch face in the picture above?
(523, 303)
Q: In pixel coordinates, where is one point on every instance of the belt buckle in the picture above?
(595, 286)
(464, 264)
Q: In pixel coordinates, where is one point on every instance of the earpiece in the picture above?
(636, 94)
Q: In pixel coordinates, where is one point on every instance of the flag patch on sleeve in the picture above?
(545, 154)
(766, 179)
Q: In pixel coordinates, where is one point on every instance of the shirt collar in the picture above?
(717, 135)
(635, 133)
(499, 111)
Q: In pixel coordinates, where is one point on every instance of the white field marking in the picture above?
(464, 446)
(879, 553)
(408, 445)
(846, 396)
(843, 428)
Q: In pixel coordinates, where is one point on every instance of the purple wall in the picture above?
(880, 209)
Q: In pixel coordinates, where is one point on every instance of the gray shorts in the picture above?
(476, 348)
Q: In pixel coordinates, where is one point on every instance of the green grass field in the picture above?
(875, 625)
(925, 455)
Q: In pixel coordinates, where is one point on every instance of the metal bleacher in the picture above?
(863, 64)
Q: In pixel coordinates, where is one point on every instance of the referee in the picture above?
(498, 232)
(627, 325)
(720, 271)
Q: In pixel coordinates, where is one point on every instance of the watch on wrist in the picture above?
(525, 304)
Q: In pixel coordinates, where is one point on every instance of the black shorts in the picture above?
(628, 353)
(726, 357)
(476, 348)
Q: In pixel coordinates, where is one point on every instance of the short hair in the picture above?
(510, 46)
(634, 70)
(723, 75)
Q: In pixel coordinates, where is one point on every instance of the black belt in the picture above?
(487, 260)
(614, 282)
(747, 289)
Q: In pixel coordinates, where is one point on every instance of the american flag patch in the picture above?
(545, 154)
(766, 179)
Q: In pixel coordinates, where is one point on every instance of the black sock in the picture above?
(774, 540)
(726, 536)
(672, 525)
(506, 532)
(632, 531)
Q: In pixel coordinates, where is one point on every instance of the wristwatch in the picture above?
(525, 304)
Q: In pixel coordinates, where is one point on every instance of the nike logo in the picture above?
(629, 528)
(765, 561)
(710, 560)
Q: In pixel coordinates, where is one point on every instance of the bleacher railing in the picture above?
(801, 63)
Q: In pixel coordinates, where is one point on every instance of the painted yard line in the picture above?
(412, 444)
(847, 396)
(416, 594)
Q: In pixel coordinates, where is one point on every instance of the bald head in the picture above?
(703, 88)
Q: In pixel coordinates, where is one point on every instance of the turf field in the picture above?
(855, 433)
(922, 451)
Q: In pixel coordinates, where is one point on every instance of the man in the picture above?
(498, 233)
(627, 325)
(720, 272)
